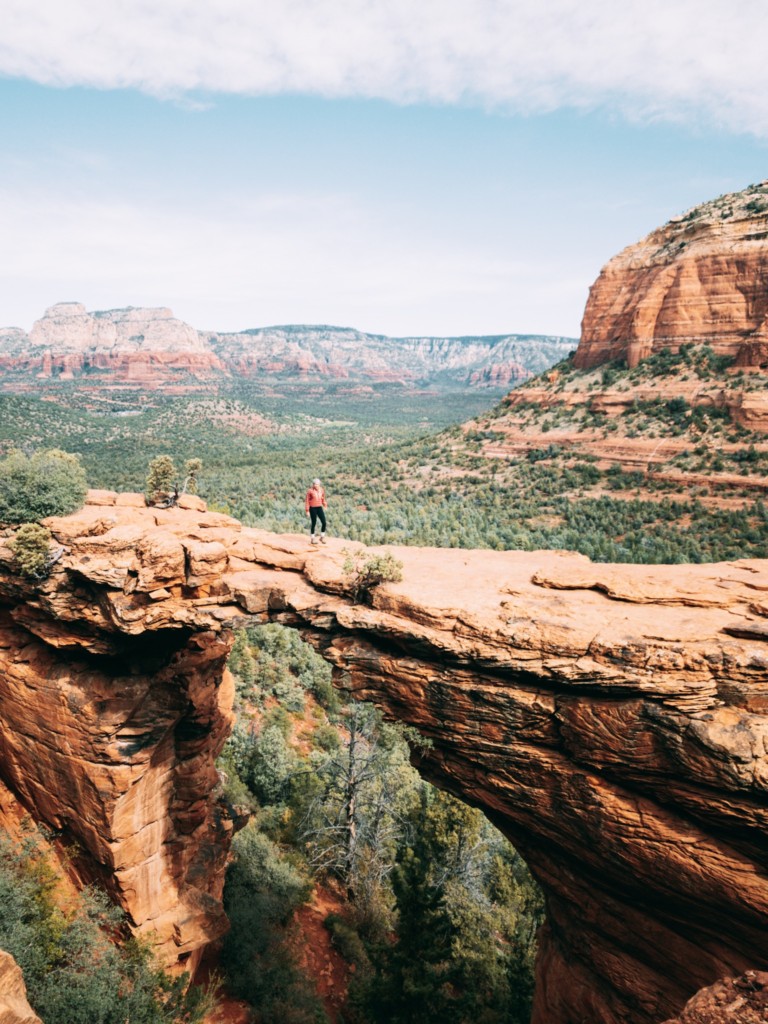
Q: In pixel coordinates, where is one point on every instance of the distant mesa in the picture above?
(702, 278)
(149, 346)
(123, 344)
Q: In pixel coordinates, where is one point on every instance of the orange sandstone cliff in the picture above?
(677, 322)
(612, 720)
(701, 279)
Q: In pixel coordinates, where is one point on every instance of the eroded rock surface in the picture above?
(702, 279)
(143, 347)
(131, 344)
(14, 1008)
(610, 719)
(741, 1000)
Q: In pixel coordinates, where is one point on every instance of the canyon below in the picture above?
(611, 720)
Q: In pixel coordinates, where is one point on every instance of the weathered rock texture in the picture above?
(142, 347)
(612, 720)
(14, 1008)
(131, 344)
(731, 1000)
(741, 1000)
(702, 278)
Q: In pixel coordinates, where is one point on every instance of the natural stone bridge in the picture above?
(611, 720)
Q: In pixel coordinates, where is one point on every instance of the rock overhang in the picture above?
(610, 718)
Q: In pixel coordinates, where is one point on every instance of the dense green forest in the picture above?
(73, 970)
(397, 469)
(437, 915)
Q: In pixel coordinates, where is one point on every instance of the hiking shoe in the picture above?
(322, 538)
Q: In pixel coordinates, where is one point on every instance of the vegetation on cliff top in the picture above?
(748, 202)
(50, 482)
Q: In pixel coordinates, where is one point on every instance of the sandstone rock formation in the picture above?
(14, 1008)
(702, 278)
(690, 293)
(612, 720)
(131, 344)
(741, 1000)
(137, 346)
(495, 362)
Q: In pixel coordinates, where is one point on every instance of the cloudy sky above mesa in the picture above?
(430, 167)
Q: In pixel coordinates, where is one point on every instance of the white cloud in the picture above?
(670, 59)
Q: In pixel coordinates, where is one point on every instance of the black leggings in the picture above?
(316, 512)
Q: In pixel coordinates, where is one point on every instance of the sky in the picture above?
(406, 167)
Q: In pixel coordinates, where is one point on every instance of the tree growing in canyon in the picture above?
(73, 970)
(352, 826)
(465, 925)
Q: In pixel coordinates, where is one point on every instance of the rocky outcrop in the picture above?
(146, 346)
(669, 378)
(741, 1000)
(701, 279)
(14, 1008)
(612, 720)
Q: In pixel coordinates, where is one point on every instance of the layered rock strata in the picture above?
(702, 278)
(611, 720)
(142, 347)
(130, 344)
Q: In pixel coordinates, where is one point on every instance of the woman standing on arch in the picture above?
(315, 506)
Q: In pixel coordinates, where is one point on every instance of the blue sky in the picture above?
(460, 167)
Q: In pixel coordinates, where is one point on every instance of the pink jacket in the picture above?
(315, 498)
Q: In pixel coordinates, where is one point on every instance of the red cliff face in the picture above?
(127, 345)
(702, 278)
(612, 720)
(658, 319)
(150, 347)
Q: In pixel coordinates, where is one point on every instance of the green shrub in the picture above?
(48, 483)
(32, 550)
(347, 941)
(365, 574)
(74, 973)
(191, 468)
(160, 478)
(271, 765)
(326, 737)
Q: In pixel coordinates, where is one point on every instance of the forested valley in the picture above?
(398, 468)
(427, 913)
(433, 915)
